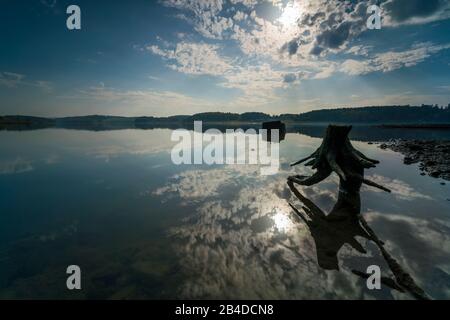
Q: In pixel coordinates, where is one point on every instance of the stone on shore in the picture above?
(433, 156)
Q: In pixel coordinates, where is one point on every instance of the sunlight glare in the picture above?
(290, 15)
(282, 222)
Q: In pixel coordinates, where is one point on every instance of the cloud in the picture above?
(46, 86)
(249, 246)
(243, 241)
(204, 15)
(143, 98)
(194, 58)
(332, 25)
(392, 60)
(239, 16)
(415, 11)
(421, 246)
(15, 166)
(198, 184)
(359, 50)
(290, 77)
(252, 246)
(13, 80)
(256, 82)
(10, 79)
(400, 189)
(334, 38)
(247, 3)
(291, 47)
(323, 25)
(311, 39)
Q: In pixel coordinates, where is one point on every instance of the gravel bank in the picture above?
(433, 156)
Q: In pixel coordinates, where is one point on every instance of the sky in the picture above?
(159, 58)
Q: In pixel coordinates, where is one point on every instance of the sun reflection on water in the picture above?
(282, 221)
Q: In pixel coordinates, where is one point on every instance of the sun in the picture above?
(290, 15)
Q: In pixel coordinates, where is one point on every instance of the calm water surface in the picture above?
(140, 227)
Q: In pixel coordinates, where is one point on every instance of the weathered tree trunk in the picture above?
(336, 154)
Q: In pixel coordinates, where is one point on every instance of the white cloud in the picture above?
(400, 189)
(247, 3)
(204, 15)
(359, 50)
(195, 58)
(239, 16)
(323, 25)
(144, 98)
(391, 60)
(300, 41)
(256, 82)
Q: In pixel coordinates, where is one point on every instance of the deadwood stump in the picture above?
(337, 154)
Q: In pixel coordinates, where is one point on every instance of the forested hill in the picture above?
(385, 115)
(364, 115)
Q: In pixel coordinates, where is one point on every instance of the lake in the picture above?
(140, 227)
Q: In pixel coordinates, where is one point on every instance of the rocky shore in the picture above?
(433, 156)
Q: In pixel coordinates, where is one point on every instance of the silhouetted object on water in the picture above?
(402, 278)
(344, 222)
(330, 235)
(274, 125)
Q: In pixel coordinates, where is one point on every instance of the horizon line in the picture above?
(223, 112)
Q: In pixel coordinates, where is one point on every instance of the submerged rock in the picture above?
(433, 156)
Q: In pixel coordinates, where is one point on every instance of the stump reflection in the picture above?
(344, 222)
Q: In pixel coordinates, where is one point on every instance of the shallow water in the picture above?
(113, 203)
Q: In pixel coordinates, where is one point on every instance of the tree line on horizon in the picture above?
(374, 114)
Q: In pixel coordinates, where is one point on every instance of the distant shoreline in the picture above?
(387, 117)
(8, 122)
(443, 126)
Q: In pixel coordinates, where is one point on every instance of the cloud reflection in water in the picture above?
(243, 241)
